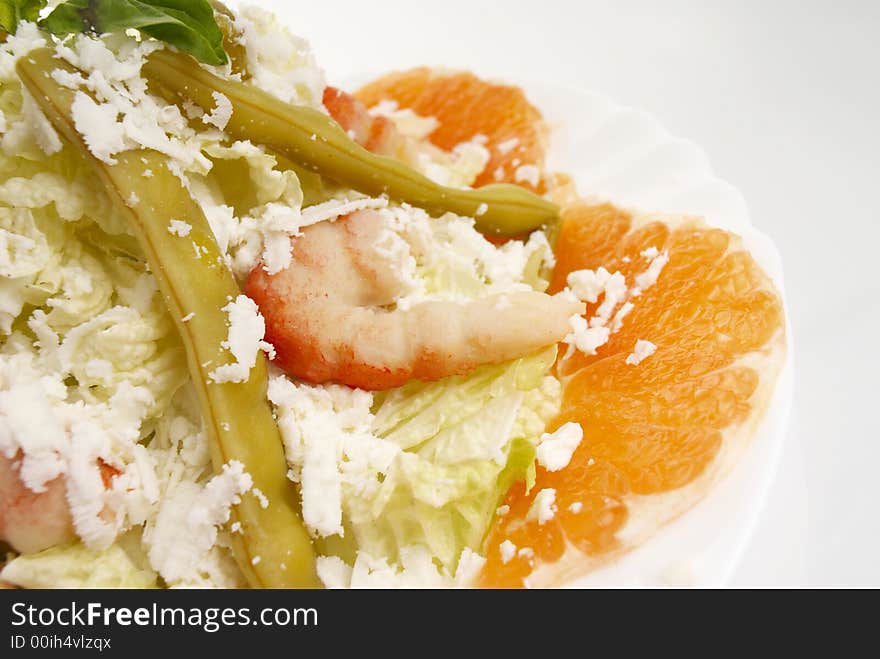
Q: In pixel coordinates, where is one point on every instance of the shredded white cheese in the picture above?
(222, 112)
(555, 449)
(584, 338)
(245, 340)
(642, 351)
(529, 174)
(330, 210)
(507, 146)
(96, 122)
(186, 527)
(508, 551)
(649, 277)
(587, 285)
(179, 228)
(543, 507)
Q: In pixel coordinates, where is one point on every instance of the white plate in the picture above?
(625, 156)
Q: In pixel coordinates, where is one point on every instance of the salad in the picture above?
(256, 331)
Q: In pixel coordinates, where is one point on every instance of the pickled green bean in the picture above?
(312, 140)
(273, 549)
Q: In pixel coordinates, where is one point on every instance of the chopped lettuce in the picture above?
(76, 566)
(465, 440)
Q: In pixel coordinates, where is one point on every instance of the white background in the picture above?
(785, 98)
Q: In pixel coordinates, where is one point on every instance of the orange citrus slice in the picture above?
(465, 107)
(657, 434)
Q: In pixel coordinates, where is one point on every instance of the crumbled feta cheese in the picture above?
(39, 125)
(543, 507)
(98, 125)
(469, 566)
(508, 551)
(643, 350)
(623, 312)
(615, 293)
(333, 572)
(278, 61)
(649, 277)
(507, 146)
(245, 340)
(584, 338)
(501, 511)
(529, 174)
(330, 210)
(179, 228)
(222, 112)
(588, 284)
(576, 507)
(181, 536)
(264, 502)
(526, 552)
(407, 122)
(321, 426)
(555, 449)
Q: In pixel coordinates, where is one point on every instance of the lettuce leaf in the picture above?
(466, 440)
(14, 11)
(76, 566)
(186, 24)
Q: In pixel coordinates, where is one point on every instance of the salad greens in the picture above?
(196, 285)
(187, 24)
(459, 443)
(77, 566)
(467, 439)
(12, 12)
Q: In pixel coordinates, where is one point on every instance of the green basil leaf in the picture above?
(14, 11)
(187, 24)
(68, 17)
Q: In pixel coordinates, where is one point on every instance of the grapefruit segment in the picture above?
(653, 428)
(465, 107)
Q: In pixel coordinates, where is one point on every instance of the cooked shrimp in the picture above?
(32, 521)
(327, 315)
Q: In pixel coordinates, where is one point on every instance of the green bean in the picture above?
(312, 140)
(273, 549)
